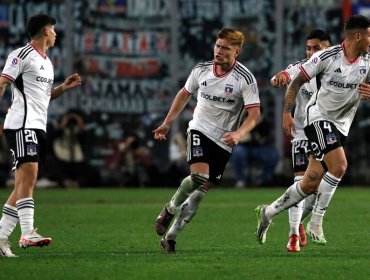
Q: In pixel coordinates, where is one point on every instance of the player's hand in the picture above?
(71, 82)
(231, 138)
(279, 80)
(288, 124)
(161, 132)
(364, 90)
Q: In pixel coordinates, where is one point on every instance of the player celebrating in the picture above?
(30, 73)
(224, 87)
(316, 40)
(343, 71)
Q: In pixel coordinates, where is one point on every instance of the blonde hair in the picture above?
(234, 37)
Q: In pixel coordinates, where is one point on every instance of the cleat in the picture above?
(302, 236)
(293, 244)
(168, 246)
(5, 249)
(263, 224)
(32, 239)
(316, 233)
(163, 221)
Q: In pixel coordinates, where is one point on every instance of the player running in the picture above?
(31, 75)
(224, 88)
(343, 71)
(316, 40)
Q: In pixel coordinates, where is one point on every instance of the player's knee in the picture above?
(338, 169)
(311, 181)
(199, 179)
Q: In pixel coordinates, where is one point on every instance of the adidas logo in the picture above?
(204, 83)
(338, 70)
(42, 67)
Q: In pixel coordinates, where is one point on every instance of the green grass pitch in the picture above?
(109, 234)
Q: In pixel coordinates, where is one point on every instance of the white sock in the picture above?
(187, 186)
(326, 191)
(309, 203)
(26, 209)
(187, 212)
(8, 221)
(292, 196)
(295, 213)
(182, 193)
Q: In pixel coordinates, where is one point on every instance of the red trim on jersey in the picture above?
(304, 73)
(345, 56)
(43, 55)
(225, 74)
(286, 74)
(187, 91)
(7, 77)
(252, 105)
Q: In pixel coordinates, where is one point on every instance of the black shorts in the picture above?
(323, 137)
(299, 155)
(202, 149)
(26, 145)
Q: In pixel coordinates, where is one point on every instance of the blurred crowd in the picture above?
(107, 139)
(103, 150)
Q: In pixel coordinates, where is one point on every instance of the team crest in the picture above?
(314, 60)
(299, 160)
(197, 152)
(31, 150)
(15, 61)
(362, 70)
(331, 139)
(229, 89)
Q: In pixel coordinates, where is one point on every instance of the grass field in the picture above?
(109, 234)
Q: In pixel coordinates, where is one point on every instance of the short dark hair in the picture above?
(37, 22)
(318, 34)
(357, 22)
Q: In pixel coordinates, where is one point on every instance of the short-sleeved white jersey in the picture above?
(303, 96)
(337, 99)
(32, 76)
(220, 99)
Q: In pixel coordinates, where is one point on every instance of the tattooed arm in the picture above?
(4, 83)
(290, 96)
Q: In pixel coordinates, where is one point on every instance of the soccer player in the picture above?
(224, 87)
(316, 40)
(30, 73)
(343, 71)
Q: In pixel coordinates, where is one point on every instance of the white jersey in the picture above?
(337, 99)
(220, 99)
(303, 96)
(32, 76)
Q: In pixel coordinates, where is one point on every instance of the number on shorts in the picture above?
(30, 136)
(196, 140)
(301, 145)
(327, 126)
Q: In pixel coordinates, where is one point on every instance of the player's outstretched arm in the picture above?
(178, 104)
(281, 79)
(289, 102)
(69, 83)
